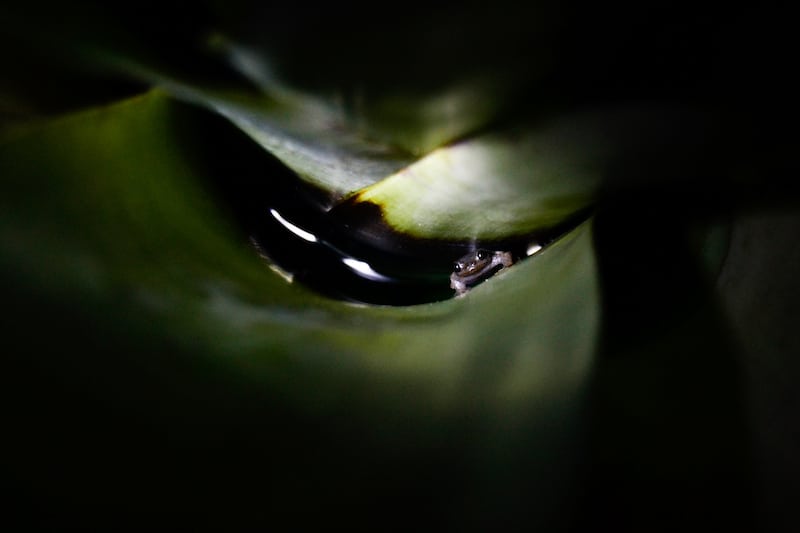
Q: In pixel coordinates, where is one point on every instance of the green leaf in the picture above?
(106, 211)
(524, 179)
(415, 122)
(311, 136)
(104, 201)
(514, 182)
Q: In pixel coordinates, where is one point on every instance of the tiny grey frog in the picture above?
(477, 266)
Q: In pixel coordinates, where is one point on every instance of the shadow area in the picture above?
(667, 433)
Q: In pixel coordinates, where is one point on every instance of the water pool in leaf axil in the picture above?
(341, 248)
(348, 252)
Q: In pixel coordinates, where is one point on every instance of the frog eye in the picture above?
(457, 267)
(481, 254)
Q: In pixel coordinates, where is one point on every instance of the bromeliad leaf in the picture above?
(311, 136)
(531, 176)
(505, 184)
(416, 123)
(86, 220)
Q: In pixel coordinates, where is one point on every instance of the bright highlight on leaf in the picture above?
(499, 185)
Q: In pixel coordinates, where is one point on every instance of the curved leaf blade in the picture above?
(499, 185)
(189, 270)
